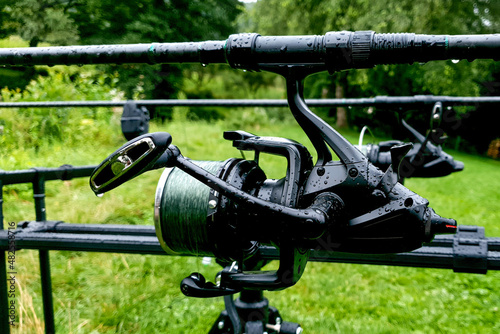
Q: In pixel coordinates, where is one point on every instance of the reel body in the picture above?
(228, 209)
(346, 205)
(192, 219)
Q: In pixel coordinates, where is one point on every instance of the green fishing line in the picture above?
(181, 211)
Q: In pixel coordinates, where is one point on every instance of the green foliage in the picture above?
(109, 22)
(120, 293)
(44, 130)
(40, 21)
(427, 16)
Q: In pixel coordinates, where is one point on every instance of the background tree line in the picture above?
(437, 78)
(62, 22)
(66, 22)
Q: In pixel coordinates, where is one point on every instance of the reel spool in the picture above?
(188, 214)
(192, 219)
(182, 206)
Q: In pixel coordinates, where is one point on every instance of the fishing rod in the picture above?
(333, 51)
(416, 101)
(300, 193)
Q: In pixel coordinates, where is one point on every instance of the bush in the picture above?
(46, 128)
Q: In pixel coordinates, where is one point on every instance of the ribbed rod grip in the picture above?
(408, 48)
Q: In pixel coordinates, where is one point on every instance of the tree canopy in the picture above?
(287, 17)
(63, 22)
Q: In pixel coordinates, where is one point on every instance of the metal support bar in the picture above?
(83, 237)
(48, 307)
(104, 229)
(377, 101)
(36, 176)
(65, 172)
(4, 301)
(86, 242)
(470, 250)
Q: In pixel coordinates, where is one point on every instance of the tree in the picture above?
(110, 22)
(40, 21)
(278, 17)
(62, 22)
(35, 21)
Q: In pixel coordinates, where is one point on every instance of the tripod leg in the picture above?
(252, 311)
(254, 327)
(232, 313)
(277, 325)
(229, 320)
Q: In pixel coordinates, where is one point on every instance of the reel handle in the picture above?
(195, 285)
(153, 150)
(134, 158)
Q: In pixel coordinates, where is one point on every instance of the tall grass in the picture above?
(116, 293)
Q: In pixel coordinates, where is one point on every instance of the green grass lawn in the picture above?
(114, 293)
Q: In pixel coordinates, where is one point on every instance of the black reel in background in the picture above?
(425, 159)
(134, 120)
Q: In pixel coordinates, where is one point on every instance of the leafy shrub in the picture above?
(26, 129)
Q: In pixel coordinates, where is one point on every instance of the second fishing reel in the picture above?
(426, 158)
(229, 209)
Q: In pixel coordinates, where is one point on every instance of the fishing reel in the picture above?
(229, 209)
(134, 120)
(425, 159)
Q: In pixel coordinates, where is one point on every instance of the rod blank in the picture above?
(377, 101)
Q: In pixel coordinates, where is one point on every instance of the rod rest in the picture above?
(468, 251)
